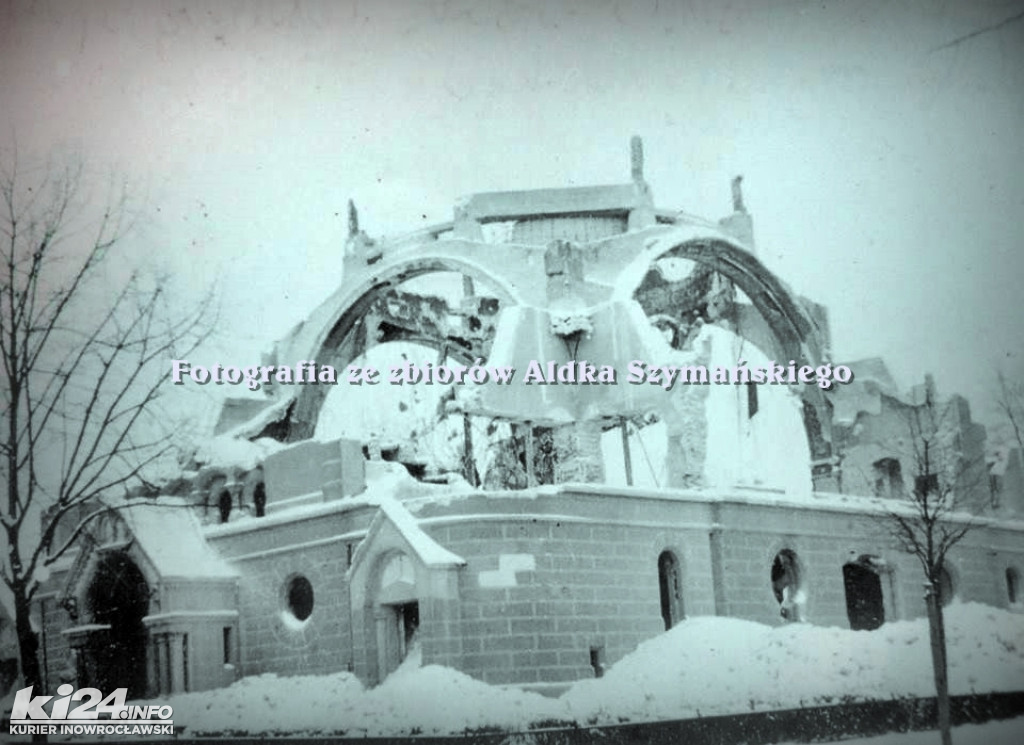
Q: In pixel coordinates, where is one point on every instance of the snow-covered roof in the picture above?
(271, 414)
(170, 536)
(231, 451)
(824, 501)
(239, 410)
(425, 548)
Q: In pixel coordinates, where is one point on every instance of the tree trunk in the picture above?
(28, 640)
(28, 646)
(937, 635)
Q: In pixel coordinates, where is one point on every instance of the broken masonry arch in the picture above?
(781, 327)
(338, 333)
(343, 337)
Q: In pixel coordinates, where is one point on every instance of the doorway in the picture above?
(118, 597)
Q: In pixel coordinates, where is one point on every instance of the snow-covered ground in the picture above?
(702, 666)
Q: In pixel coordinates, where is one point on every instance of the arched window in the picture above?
(888, 478)
(787, 585)
(671, 589)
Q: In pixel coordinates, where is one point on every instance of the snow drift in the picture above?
(703, 666)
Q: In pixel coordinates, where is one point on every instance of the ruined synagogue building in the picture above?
(531, 534)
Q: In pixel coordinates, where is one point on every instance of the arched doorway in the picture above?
(671, 589)
(118, 597)
(397, 613)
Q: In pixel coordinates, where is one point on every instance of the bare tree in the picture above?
(82, 370)
(923, 523)
(1010, 400)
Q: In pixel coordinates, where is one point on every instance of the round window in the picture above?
(300, 597)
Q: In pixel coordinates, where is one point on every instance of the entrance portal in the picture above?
(398, 613)
(118, 597)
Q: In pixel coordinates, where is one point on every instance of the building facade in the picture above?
(531, 532)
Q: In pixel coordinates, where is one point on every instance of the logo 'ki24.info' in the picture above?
(85, 712)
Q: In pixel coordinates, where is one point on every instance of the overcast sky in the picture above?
(883, 166)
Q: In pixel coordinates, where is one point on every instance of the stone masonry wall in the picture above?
(267, 557)
(559, 578)
(57, 659)
(551, 578)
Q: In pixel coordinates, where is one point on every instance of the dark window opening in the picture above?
(544, 455)
(259, 499)
(752, 405)
(787, 585)
(349, 550)
(227, 645)
(888, 478)
(864, 605)
(926, 485)
(417, 470)
(224, 505)
(597, 661)
(1012, 585)
(670, 588)
(300, 597)
(408, 623)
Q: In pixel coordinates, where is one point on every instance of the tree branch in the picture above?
(980, 31)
